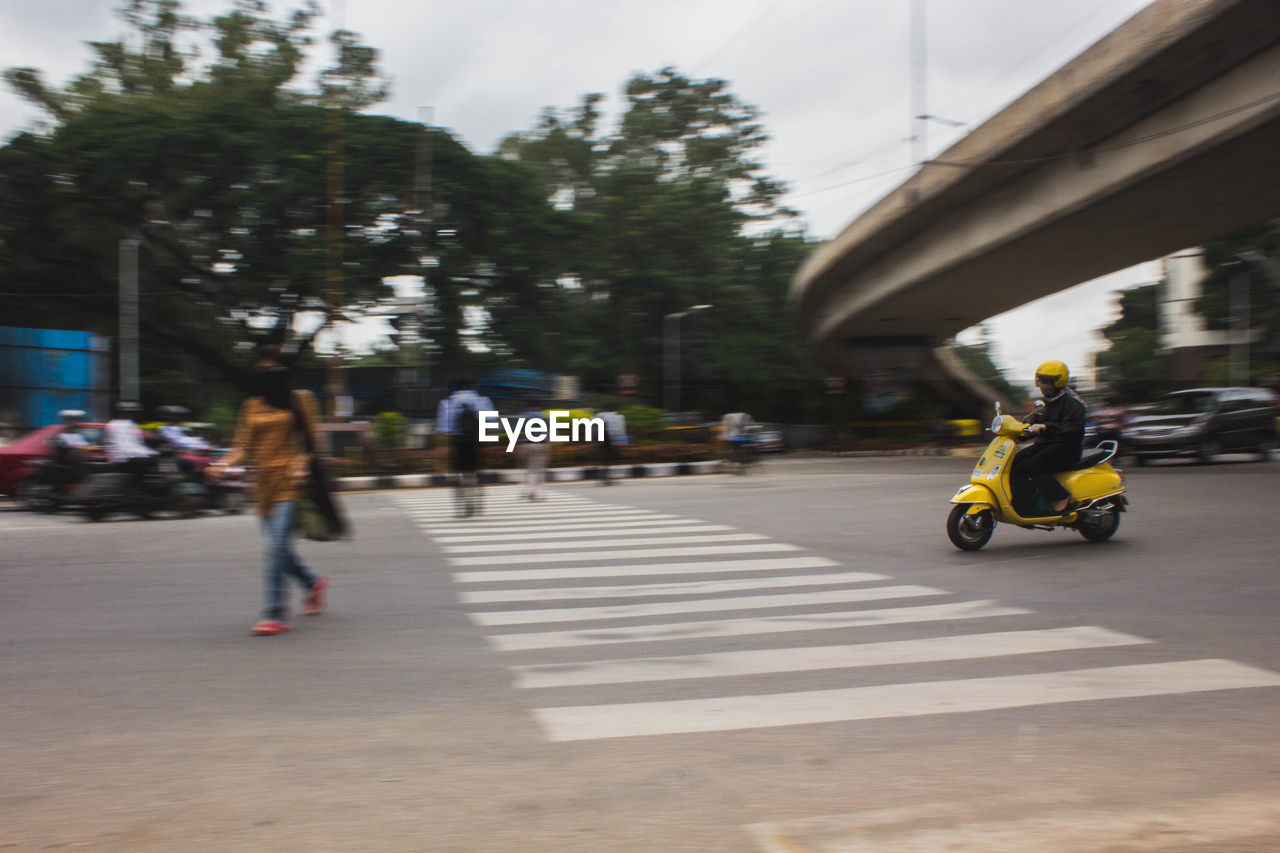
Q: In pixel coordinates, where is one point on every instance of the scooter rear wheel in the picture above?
(1099, 526)
(969, 532)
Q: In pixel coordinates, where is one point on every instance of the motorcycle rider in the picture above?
(1058, 429)
(176, 434)
(71, 438)
(124, 444)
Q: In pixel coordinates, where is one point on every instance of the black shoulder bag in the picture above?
(318, 516)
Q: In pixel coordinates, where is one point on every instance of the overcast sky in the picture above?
(832, 78)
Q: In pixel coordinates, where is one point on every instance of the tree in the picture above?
(232, 180)
(1133, 367)
(667, 210)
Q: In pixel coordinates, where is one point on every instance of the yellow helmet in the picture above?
(1053, 373)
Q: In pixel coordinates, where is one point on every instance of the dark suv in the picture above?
(1204, 422)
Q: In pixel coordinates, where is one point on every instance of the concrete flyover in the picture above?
(1162, 135)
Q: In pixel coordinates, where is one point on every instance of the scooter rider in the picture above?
(1058, 429)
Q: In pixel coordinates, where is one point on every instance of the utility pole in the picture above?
(671, 346)
(127, 331)
(919, 82)
(335, 230)
(425, 205)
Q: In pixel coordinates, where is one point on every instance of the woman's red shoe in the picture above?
(314, 601)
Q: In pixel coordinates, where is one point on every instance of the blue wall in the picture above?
(43, 371)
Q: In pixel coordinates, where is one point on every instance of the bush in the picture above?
(389, 428)
(643, 422)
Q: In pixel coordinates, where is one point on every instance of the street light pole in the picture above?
(671, 346)
(127, 350)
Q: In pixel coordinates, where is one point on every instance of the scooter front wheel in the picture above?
(969, 532)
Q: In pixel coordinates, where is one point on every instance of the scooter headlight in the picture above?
(996, 423)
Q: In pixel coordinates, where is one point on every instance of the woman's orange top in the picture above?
(273, 439)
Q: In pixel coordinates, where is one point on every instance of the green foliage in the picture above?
(229, 178)
(1132, 367)
(667, 210)
(563, 252)
(389, 429)
(643, 422)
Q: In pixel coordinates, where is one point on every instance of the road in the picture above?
(794, 660)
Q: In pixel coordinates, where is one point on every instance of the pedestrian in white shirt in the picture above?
(462, 425)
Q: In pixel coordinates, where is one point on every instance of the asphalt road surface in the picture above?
(792, 660)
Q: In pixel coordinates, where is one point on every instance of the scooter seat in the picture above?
(1091, 457)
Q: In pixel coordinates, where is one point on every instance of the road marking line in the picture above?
(710, 567)
(621, 554)
(515, 525)
(654, 589)
(730, 713)
(757, 625)
(596, 531)
(704, 605)
(504, 527)
(807, 658)
(572, 541)
(549, 514)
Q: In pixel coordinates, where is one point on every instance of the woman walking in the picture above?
(277, 428)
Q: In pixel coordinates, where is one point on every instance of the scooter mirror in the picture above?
(997, 408)
(1039, 405)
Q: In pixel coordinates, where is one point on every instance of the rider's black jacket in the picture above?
(1063, 419)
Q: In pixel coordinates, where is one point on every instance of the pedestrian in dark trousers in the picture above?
(615, 435)
(1058, 429)
(459, 418)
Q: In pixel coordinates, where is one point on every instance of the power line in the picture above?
(740, 34)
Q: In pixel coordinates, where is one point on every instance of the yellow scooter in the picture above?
(988, 497)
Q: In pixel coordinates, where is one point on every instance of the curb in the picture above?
(912, 451)
(516, 475)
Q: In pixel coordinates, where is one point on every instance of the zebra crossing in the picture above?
(572, 576)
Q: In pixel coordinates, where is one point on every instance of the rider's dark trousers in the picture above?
(1038, 463)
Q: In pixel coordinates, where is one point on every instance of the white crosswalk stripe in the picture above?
(658, 589)
(660, 569)
(703, 567)
(702, 605)
(624, 554)
(806, 658)
(826, 621)
(898, 700)
(598, 532)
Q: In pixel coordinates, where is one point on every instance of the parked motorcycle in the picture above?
(989, 497)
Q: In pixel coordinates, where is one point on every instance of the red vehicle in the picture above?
(16, 459)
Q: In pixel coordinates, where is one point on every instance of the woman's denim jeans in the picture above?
(281, 560)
